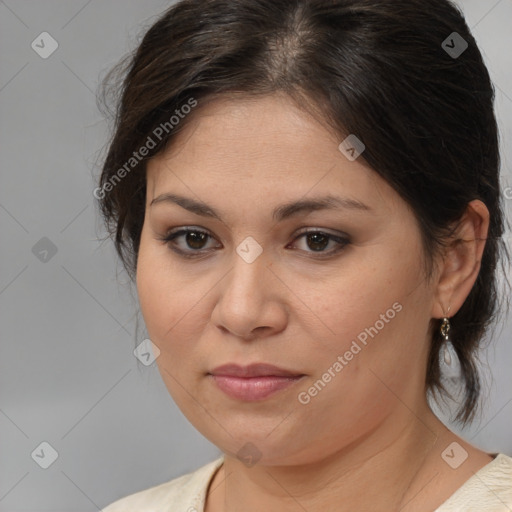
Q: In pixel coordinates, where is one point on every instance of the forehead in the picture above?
(259, 149)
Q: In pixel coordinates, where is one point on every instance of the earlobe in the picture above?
(462, 258)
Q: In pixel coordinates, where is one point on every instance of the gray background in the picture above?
(68, 375)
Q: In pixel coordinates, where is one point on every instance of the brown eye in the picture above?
(195, 239)
(193, 242)
(318, 241)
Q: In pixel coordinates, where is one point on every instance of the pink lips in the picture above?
(253, 382)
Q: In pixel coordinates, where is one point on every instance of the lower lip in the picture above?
(253, 388)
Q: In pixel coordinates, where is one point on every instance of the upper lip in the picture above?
(253, 370)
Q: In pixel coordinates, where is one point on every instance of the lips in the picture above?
(253, 382)
(253, 370)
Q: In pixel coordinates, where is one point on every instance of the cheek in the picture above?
(377, 318)
(362, 306)
(167, 301)
(172, 305)
(160, 294)
(150, 286)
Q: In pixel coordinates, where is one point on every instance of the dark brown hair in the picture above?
(374, 68)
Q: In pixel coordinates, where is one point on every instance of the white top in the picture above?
(489, 490)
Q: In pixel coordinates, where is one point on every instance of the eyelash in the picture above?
(171, 236)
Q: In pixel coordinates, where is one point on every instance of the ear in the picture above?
(460, 265)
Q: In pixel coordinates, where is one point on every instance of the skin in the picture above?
(368, 440)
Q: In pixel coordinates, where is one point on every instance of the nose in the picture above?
(251, 300)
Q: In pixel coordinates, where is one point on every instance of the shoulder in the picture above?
(186, 492)
(489, 489)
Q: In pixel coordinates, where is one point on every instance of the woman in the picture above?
(306, 193)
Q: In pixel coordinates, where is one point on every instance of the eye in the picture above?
(318, 241)
(194, 239)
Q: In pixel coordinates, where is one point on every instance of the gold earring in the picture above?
(448, 355)
(445, 330)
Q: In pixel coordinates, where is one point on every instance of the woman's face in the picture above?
(347, 309)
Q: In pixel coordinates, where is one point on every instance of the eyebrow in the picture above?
(280, 213)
